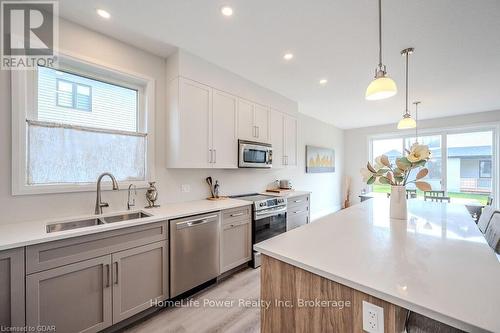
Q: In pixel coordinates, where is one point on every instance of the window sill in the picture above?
(73, 188)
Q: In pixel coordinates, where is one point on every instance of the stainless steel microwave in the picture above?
(254, 154)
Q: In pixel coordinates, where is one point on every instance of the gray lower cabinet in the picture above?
(140, 276)
(298, 212)
(72, 298)
(236, 238)
(98, 280)
(12, 288)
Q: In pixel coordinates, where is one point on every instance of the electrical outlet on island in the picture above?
(373, 318)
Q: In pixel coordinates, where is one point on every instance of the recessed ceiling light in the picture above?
(323, 82)
(288, 56)
(102, 13)
(226, 10)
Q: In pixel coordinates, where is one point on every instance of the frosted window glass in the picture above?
(71, 155)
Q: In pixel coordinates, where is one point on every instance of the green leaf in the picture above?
(403, 163)
(371, 180)
(384, 180)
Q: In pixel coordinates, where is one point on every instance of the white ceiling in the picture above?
(455, 68)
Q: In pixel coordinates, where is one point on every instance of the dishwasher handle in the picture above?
(195, 222)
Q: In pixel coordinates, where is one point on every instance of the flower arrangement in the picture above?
(384, 172)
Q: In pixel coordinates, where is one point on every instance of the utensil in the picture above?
(210, 184)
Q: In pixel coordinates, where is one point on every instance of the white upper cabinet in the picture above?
(277, 133)
(291, 141)
(261, 121)
(284, 139)
(246, 127)
(253, 121)
(201, 126)
(189, 126)
(224, 130)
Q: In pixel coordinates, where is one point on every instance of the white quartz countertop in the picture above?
(436, 263)
(287, 194)
(28, 233)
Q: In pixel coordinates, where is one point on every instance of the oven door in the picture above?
(268, 223)
(255, 155)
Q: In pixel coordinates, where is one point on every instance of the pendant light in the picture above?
(416, 120)
(407, 121)
(382, 86)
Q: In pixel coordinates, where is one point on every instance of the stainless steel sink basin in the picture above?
(125, 217)
(61, 226)
(73, 225)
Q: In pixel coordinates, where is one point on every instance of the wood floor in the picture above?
(244, 285)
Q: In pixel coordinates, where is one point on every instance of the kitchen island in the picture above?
(436, 263)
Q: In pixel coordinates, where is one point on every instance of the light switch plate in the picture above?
(185, 188)
(373, 318)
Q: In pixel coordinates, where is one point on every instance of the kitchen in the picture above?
(183, 118)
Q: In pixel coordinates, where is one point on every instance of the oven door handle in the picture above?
(269, 212)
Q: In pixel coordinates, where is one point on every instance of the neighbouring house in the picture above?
(469, 169)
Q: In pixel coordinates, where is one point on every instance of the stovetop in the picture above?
(262, 201)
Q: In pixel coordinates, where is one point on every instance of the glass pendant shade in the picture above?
(381, 88)
(407, 122)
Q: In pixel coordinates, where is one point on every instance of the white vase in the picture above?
(398, 203)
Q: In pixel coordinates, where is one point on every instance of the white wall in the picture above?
(326, 188)
(356, 141)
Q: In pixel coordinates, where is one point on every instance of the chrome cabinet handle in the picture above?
(215, 155)
(258, 131)
(298, 201)
(108, 275)
(298, 211)
(210, 156)
(234, 215)
(116, 281)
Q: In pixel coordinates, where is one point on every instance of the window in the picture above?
(80, 121)
(485, 169)
(467, 172)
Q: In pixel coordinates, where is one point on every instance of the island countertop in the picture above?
(437, 263)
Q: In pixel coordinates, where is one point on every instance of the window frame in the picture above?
(24, 106)
(494, 127)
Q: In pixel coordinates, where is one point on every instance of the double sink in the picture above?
(62, 226)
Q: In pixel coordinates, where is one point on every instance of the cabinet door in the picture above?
(277, 138)
(140, 275)
(195, 102)
(73, 298)
(236, 244)
(224, 130)
(12, 288)
(261, 121)
(246, 126)
(290, 141)
(295, 220)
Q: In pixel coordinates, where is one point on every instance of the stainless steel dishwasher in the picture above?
(194, 251)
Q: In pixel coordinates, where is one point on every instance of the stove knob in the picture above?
(262, 204)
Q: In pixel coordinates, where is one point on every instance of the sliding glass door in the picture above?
(462, 163)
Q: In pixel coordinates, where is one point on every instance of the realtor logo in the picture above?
(29, 34)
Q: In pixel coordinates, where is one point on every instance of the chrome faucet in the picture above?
(98, 203)
(131, 204)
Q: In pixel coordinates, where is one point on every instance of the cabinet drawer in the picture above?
(236, 245)
(236, 214)
(296, 220)
(299, 209)
(298, 201)
(45, 256)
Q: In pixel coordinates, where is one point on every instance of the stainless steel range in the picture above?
(268, 219)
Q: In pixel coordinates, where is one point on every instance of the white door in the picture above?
(246, 128)
(277, 138)
(261, 122)
(195, 102)
(290, 141)
(224, 126)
